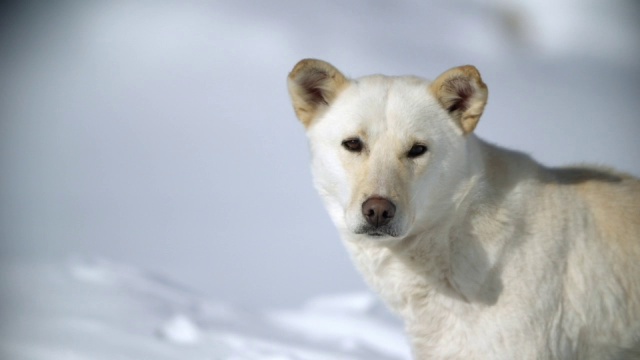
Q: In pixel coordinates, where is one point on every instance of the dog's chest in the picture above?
(446, 327)
(393, 280)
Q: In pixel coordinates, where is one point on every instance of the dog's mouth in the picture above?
(378, 232)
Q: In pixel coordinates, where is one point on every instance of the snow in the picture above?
(157, 140)
(180, 329)
(98, 309)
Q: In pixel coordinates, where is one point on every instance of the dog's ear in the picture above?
(313, 85)
(462, 93)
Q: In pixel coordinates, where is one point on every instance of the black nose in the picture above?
(378, 211)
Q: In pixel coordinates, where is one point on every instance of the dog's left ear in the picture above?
(462, 93)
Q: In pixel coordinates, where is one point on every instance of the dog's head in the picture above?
(388, 153)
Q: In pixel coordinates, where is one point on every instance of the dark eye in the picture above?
(353, 145)
(417, 150)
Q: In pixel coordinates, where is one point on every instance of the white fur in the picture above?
(496, 256)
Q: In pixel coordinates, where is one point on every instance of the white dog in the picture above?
(485, 253)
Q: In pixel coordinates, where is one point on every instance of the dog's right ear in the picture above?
(313, 85)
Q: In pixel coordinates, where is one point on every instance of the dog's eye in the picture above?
(353, 145)
(417, 150)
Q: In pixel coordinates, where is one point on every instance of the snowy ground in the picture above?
(95, 309)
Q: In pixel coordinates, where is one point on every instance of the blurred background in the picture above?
(160, 134)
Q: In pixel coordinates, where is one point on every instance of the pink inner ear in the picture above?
(463, 89)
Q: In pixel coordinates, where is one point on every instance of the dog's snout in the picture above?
(378, 211)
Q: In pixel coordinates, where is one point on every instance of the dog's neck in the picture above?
(484, 222)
